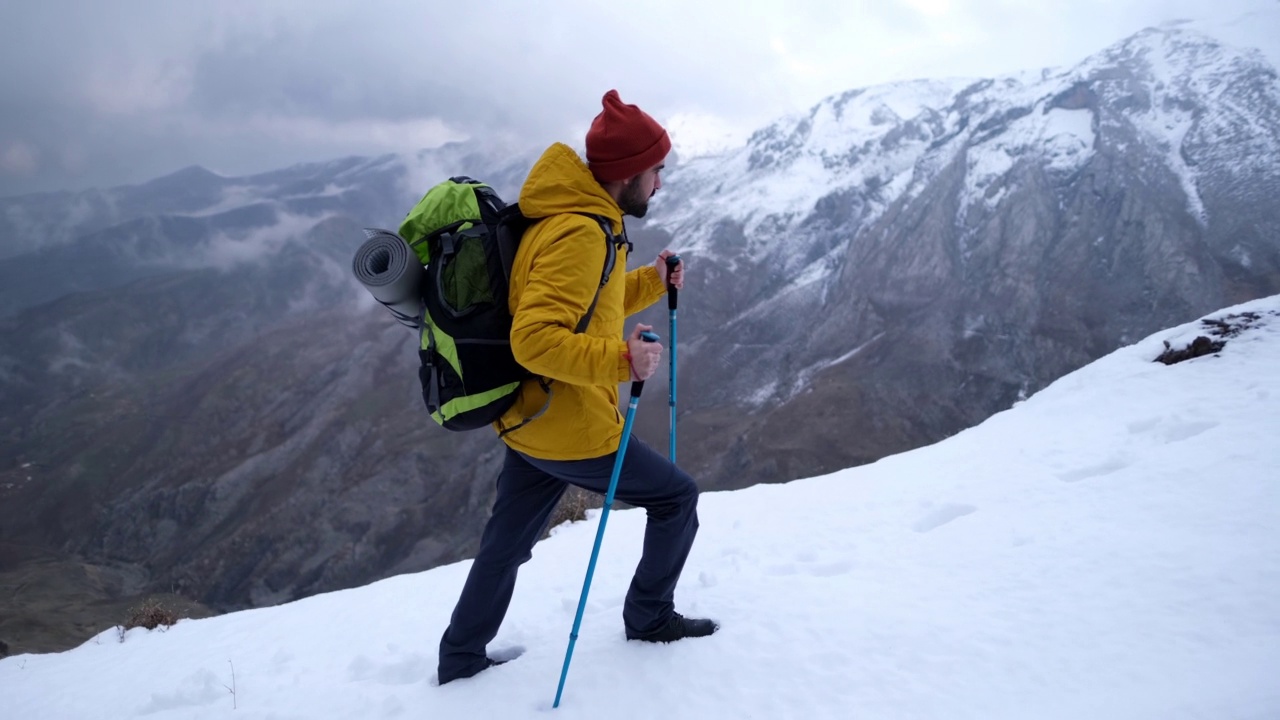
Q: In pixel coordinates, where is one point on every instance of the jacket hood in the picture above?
(560, 182)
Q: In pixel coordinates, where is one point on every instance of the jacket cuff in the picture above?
(654, 288)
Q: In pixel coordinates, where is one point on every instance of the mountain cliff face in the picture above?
(951, 247)
(193, 387)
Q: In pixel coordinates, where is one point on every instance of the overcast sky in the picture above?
(106, 93)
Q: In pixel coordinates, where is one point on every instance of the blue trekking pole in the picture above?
(672, 263)
(636, 388)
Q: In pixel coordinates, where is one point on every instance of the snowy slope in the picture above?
(1107, 548)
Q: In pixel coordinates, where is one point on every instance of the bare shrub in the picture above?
(573, 506)
(1199, 347)
(1226, 327)
(151, 614)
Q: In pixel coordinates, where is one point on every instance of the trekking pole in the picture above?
(672, 291)
(636, 388)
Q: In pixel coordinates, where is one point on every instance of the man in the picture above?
(565, 426)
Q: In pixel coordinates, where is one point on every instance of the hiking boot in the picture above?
(677, 628)
(488, 663)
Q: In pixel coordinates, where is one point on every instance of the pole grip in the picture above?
(672, 291)
(637, 386)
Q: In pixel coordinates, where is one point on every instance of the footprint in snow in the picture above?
(1171, 430)
(941, 516)
(404, 671)
(1177, 432)
(1092, 471)
(831, 569)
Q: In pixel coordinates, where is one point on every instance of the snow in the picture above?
(1176, 125)
(1106, 549)
(696, 135)
(763, 394)
(1242, 23)
(1065, 139)
(1180, 71)
(1070, 137)
(875, 146)
(813, 162)
(803, 380)
(237, 196)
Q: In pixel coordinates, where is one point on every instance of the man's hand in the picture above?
(677, 276)
(645, 356)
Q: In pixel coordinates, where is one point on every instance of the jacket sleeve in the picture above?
(563, 277)
(644, 288)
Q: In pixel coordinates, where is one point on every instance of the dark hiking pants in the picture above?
(528, 490)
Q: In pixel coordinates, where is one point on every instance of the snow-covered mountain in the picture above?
(903, 241)
(1106, 549)
(1207, 107)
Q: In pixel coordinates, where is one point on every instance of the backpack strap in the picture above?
(610, 260)
(511, 226)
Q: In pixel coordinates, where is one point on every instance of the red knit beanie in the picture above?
(624, 141)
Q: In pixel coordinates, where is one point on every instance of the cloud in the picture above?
(19, 158)
(133, 90)
(933, 8)
(224, 251)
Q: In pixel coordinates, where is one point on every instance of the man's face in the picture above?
(638, 190)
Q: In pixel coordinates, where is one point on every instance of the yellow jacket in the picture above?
(553, 280)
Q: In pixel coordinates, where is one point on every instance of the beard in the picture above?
(634, 202)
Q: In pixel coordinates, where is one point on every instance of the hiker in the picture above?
(554, 278)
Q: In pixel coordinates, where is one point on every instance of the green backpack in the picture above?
(467, 237)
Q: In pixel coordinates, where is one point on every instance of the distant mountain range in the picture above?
(195, 389)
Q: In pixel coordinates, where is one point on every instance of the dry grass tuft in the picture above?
(151, 614)
(574, 505)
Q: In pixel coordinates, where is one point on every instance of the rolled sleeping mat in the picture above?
(392, 273)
